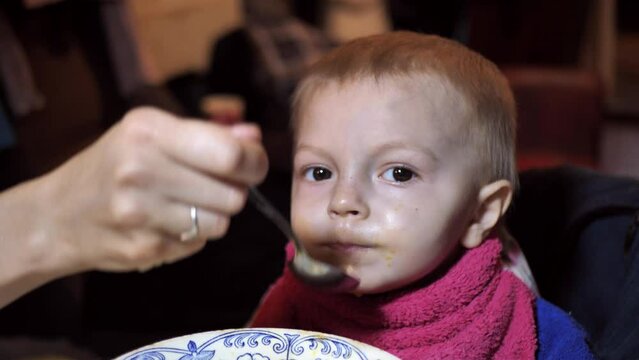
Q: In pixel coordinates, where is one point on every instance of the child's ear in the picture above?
(493, 201)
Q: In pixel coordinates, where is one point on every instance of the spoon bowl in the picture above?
(308, 270)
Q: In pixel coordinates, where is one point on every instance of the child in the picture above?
(403, 167)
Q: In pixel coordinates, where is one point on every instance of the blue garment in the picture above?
(559, 336)
(7, 138)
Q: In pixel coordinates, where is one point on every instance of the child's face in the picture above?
(382, 185)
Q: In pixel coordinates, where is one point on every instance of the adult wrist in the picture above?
(52, 238)
(26, 251)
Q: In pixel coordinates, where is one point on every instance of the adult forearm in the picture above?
(28, 255)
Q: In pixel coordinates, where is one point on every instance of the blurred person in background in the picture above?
(261, 63)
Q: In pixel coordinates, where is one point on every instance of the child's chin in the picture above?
(371, 288)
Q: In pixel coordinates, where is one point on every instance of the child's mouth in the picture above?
(346, 247)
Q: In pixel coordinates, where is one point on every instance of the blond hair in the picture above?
(405, 54)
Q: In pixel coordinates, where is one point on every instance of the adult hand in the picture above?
(122, 203)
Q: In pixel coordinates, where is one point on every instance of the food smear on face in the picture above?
(389, 256)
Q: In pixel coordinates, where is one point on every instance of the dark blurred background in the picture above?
(72, 68)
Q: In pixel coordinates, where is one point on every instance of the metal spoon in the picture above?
(307, 269)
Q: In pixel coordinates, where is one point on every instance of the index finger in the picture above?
(212, 149)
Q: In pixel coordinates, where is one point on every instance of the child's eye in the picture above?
(398, 174)
(317, 173)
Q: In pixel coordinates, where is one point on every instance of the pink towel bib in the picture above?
(476, 310)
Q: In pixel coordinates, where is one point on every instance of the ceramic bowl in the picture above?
(258, 344)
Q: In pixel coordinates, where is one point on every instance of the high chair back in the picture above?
(579, 231)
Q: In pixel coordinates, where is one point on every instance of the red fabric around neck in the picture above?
(476, 310)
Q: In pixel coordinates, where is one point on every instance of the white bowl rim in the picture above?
(281, 340)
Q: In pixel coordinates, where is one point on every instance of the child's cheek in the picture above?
(306, 230)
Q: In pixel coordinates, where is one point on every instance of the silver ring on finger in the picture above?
(194, 231)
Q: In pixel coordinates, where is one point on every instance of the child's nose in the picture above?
(347, 202)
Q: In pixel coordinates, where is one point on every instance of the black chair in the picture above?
(578, 229)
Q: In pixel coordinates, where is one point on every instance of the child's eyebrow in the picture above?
(398, 145)
(313, 149)
(387, 146)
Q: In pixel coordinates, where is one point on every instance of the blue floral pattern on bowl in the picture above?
(258, 344)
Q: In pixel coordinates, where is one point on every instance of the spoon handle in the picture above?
(265, 207)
